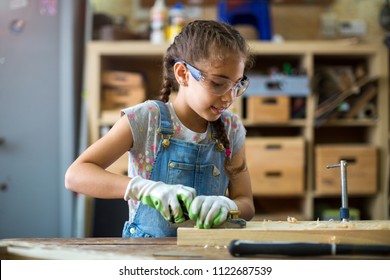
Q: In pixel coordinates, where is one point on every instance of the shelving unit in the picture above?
(307, 57)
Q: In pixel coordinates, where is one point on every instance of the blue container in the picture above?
(251, 12)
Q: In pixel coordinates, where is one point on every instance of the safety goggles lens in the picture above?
(217, 85)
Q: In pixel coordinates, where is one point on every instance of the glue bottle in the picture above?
(176, 19)
(158, 22)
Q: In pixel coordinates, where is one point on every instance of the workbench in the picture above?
(126, 249)
(105, 248)
(202, 244)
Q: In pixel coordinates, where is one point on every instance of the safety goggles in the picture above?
(215, 84)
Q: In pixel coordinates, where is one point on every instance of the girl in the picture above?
(185, 156)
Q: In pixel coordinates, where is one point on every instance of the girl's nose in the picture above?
(229, 95)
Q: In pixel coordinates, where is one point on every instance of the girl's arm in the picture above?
(240, 189)
(87, 174)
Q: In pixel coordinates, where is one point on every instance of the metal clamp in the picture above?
(344, 211)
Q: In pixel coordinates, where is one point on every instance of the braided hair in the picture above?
(205, 40)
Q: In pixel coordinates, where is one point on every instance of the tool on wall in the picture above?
(344, 210)
(384, 16)
(384, 21)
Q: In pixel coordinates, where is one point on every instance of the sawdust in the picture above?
(342, 226)
(381, 227)
(292, 220)
(216, 247)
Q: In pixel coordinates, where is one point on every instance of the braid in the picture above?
(221, 132)
(169, 77)
(219, 127)
(166, 90)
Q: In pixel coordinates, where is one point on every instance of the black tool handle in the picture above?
(346, 249)
(246, 247)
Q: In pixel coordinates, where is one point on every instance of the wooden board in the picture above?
(353, 232)
(129, 249)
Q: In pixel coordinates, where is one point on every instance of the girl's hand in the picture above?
(210, 210)
(163, 197)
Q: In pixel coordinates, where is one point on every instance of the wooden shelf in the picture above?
(292, 123)
(305, 55)
(352, 122)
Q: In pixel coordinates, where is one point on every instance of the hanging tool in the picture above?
(344, 210)
(384, 16)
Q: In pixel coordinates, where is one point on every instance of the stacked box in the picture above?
(122, 89)
(361, 168)
(268, 109)
(122, 78)
(276, 165)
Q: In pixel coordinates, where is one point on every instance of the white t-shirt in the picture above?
(144, 120)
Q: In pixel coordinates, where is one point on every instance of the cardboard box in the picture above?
(268, 109)
(122, 97)
(361, 168)
(122, 79)
(276, 165)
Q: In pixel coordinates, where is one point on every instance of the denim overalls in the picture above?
(194, 165)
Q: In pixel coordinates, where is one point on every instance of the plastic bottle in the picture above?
(158, 22)
(176, 21)
(194, 9)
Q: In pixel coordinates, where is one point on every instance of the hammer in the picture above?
(344, 211)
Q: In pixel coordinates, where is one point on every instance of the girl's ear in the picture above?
(181, 73)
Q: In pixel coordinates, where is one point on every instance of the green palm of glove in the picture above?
(169, 205)
(166, 199)
(209, 211)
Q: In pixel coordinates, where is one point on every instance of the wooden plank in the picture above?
(104, 248)
(353, 232)
(362, 101)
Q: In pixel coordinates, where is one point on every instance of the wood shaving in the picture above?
(348, 225)
(292, 220)
(321, 225)
(332, 239)
(266, 221)
(342, 226)
(380, 227)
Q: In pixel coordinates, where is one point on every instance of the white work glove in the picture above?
(209, 211)
(163, 197)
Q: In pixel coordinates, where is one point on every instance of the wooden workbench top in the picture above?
(105, 248)
(194, 243)
(125, 249)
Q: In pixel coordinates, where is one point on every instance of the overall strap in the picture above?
(165, 126)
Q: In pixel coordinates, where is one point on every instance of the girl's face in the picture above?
(202, 97)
